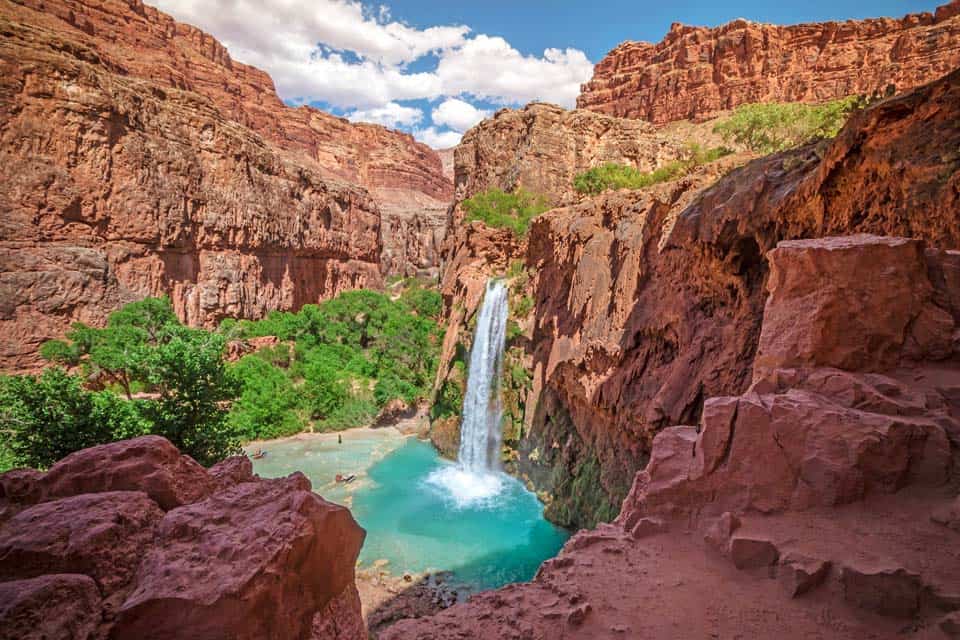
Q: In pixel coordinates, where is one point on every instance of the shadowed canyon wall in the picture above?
(695, 72)
(645, 303)
(138, 158)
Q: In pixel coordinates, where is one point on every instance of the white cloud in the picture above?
(356, 57)
(342, 25)
(457, 114)
(437, 139)
(389, 115)
(489, 67)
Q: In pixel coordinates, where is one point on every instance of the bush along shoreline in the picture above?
(332, 366)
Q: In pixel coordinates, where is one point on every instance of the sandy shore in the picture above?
(417, 425)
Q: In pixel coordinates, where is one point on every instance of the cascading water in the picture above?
(476, 478)
(482, 408)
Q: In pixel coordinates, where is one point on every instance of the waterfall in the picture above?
(482, 407)
(475, 478)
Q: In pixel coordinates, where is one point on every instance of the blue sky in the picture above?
(436, 68)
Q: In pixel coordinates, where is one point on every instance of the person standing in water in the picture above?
(339, 439)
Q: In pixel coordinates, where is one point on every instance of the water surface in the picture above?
(416, 515)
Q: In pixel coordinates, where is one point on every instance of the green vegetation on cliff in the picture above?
(770, 127)
(338, 364)
(514, 211)
(612, 176)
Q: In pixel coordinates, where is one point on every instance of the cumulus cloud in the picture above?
(489, 67)
(389, 115)
(344, 25)
(457, 114)
(432, 137)
(356, 58)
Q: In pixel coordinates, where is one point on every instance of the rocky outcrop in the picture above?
(820, 476)
(542, 147)
(139, 159)
(647, 303)
(132, 539)
(696, 72)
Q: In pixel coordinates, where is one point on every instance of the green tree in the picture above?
(187, 370)
(144, 345)
(771, 127)
(50, 416)
(268, 403)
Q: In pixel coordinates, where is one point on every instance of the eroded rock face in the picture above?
(542, 147)
(818, 428)
(696, 72)
(51, 607)
(814, 467)
(139, 159)
(241, 557)
(648, 303)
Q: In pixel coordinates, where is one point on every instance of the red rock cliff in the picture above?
(647, 303)
(137, 158)
(694, 72)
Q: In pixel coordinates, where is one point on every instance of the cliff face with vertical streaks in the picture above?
(137, 158)
(695, 72)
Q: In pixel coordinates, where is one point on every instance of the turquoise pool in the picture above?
(421, 512)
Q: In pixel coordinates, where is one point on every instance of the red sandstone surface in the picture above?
(137, 158)
(134, 540)
(696, 72)
(648, 303)
(819, 503)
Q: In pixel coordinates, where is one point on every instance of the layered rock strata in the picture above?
(696, 72)
(645, 304)
(542, 147)
(139, 159)
(134, 540)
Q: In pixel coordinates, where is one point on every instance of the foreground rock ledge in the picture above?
(134, 540)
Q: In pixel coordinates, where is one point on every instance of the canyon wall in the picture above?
(643, 304)
(542, 147)
(696, 72)
(138, 158)
(821, 502)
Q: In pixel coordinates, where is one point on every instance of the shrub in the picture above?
(145, 346)
(187, 369)
(501, 210)
(523, 306)
(47, 417)
(356, 412)
(426, 302)
(617, 176)
(771, 127)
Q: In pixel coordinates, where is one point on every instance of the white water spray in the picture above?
(475, 478)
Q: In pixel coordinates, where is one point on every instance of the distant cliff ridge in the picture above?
(695, 72)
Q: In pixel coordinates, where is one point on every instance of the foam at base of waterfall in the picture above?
(467, 488)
